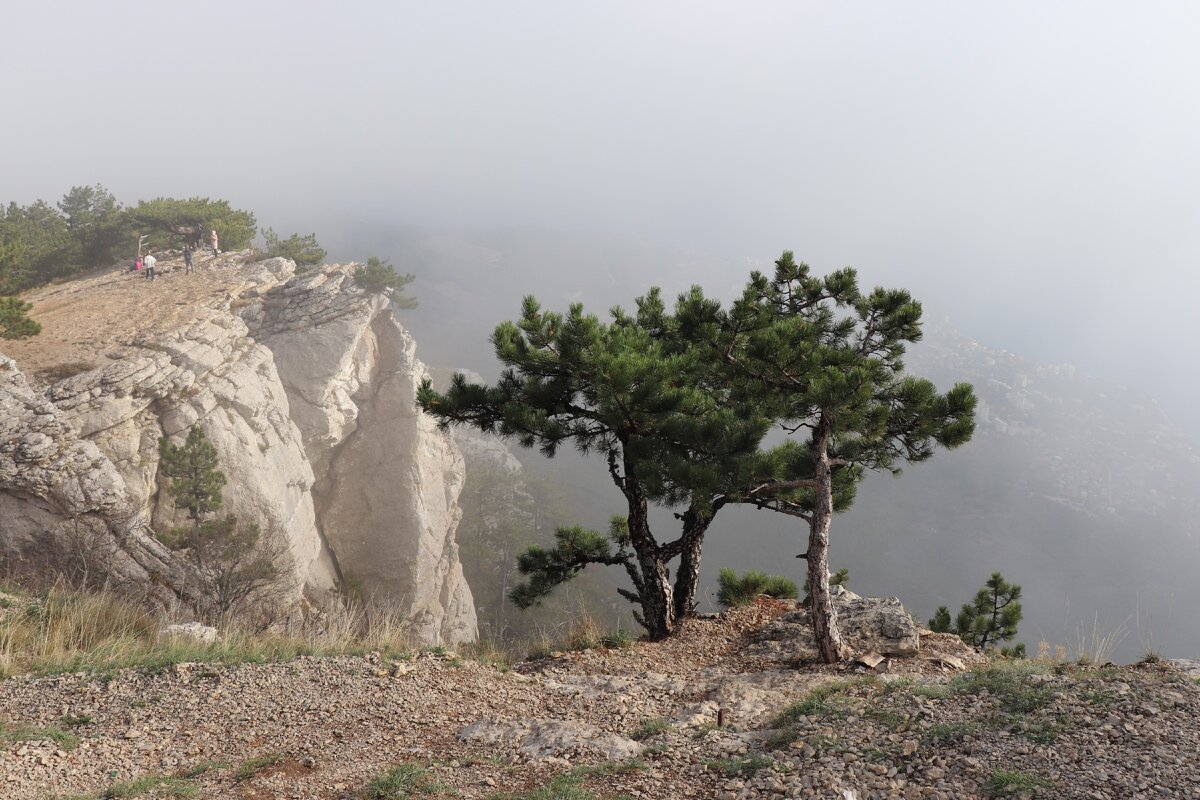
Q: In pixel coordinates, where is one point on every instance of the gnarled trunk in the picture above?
(830, 646)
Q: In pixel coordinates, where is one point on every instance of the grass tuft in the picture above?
(1003, 782)
(649, 728)
(252, 766)
(402, 782)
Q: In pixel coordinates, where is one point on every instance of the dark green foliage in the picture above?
(377, 275)
(677, 405)
(96, 224)
(196, 480)
(941, 621)
(227, 555)
(574, 549)
(170, 222)
(304, 250)
(635, 393)
(89, 228)
(734, 591)
(35, 246)
(1016, 651)
(825, 360)
(14, 319)
(993, 615)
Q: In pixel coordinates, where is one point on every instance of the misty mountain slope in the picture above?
(1080, 490)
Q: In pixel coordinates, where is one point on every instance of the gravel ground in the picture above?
(326, 727)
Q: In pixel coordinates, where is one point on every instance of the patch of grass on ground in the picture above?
(822, 700)
(651, 727)
(402, 782)
(1009, 682)
(948, 732)
(1004, 782)
(203, 767)
(741, 765)
(30, 733)
(252, 766)
(75, 721)
(160, 785)
(569, 786)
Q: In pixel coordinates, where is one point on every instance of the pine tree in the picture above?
(993, 615)
(941, 621)
(14, 319)
(656, 409)
(227, 555)
(825, 360)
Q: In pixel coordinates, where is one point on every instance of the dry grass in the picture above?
(62, 630)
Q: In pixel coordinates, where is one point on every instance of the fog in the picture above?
(1030, 168)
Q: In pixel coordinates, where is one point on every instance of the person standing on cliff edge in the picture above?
(214, 243)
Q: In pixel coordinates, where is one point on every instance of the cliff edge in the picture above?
(304, 383)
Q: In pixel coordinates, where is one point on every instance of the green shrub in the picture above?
(734, 591)
(14, 319)
(304, 250)
(378, 275)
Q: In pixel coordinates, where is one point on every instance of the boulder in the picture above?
(878, 625)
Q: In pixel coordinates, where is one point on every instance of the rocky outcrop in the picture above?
(306, 387)
(869, 625)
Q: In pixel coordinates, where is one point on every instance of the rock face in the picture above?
(868, 624)
(306, 387)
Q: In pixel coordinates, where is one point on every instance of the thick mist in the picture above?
(1031, 170)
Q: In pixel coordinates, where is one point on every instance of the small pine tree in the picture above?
(380, 276)
(993, 615)
(192, 467)
(941, 621)
(734, 591)
(304, 250)
(14, 319)
(228, 555)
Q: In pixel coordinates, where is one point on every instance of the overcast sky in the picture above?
(1033, 169)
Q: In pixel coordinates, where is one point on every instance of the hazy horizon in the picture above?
(1030, 169)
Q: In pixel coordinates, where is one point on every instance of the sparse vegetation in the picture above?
(569, 786)
(10, 732)
(14, 319)
(1005, 782)
(1009, 682)
(252, 766)
(734, 591)
(649, 728)
(304, 250)
(159, 785)
(231, 558)
(404, 781)
(62, 630)
(989, 619)
(741, 765)
(378, 275)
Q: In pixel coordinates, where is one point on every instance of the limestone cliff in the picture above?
(305, 384)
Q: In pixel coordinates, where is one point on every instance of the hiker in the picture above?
(187, 259)
(149, 262)
(137, 264)
(214, 243)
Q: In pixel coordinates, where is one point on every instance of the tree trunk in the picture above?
(687, 577)
(830, 647)
(658, 608)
